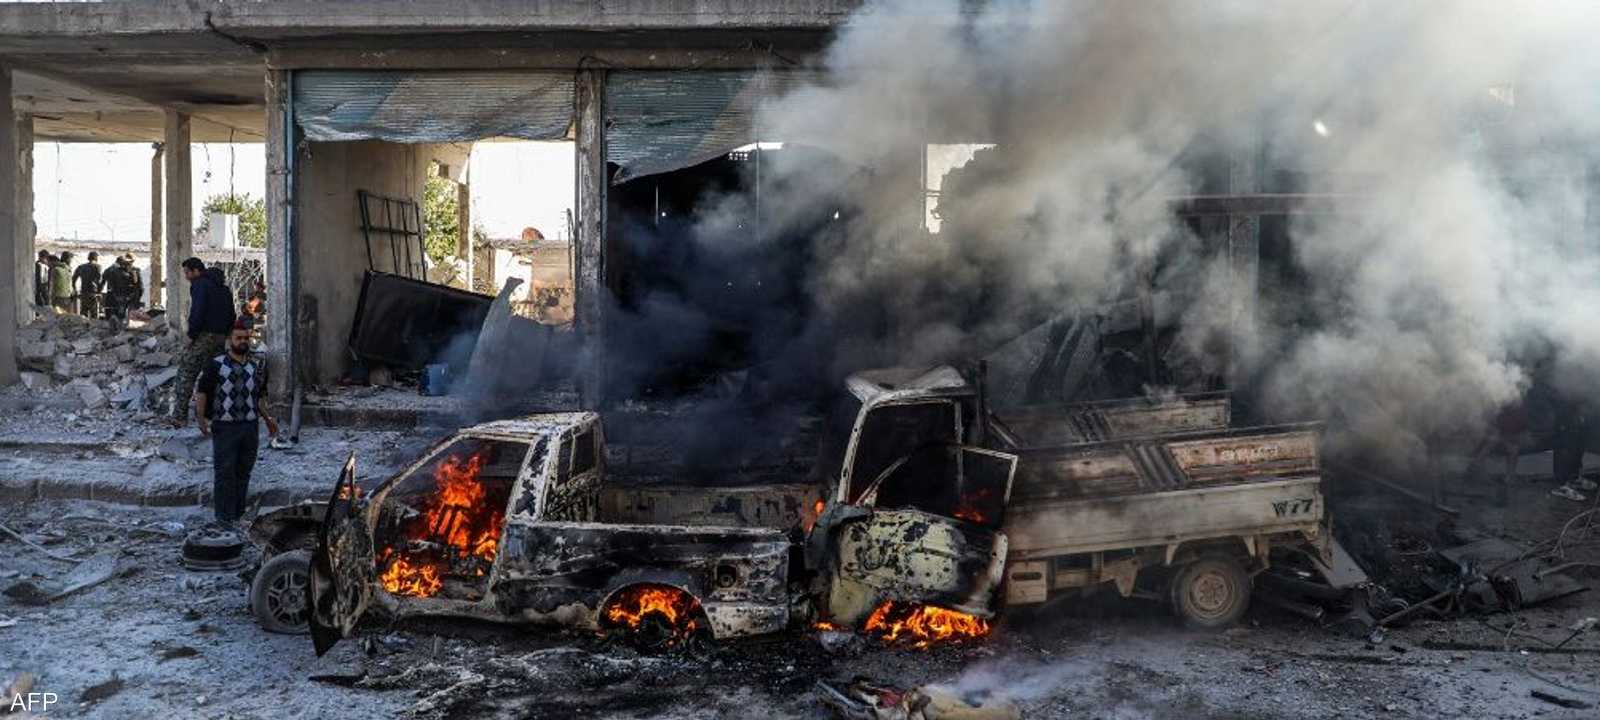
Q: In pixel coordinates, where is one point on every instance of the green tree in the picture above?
(252, 212)
(440, 217)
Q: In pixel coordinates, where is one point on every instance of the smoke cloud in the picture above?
(1458, 254)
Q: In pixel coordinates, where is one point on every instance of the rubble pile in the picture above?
(98, 365)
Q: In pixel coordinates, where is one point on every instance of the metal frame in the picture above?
(399, 236)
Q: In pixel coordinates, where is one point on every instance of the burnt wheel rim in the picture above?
(286, 598)
(1211, 593)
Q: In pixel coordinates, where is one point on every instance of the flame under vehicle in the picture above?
(504, 521)
(510, 521)
(1156, 497)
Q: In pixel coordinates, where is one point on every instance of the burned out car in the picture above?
(503, 522)
(511, 521)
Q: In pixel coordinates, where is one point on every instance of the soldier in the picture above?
(87, 280)
(211, 318)
(61, 282)
(41, 278)
(123, 289)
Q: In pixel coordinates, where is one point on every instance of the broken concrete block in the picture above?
(35, 380)
(35, 350)
(84, 346)
(181, 449)
(123, 353)
(62, 368)
(89, 393)
(150, 343)
(159, 378)
(155, 359)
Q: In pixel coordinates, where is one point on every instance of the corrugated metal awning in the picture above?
(663, 120)
(433, 106)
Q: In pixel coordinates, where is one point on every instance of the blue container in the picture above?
(435, 379)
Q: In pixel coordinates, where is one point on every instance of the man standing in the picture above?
(87, 281)
(123, 289)
(230, 401)
(41, 278)
(61, 282)
(210, 320)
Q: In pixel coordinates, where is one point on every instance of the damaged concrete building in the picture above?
(366, 97)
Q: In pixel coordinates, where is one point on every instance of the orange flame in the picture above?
(456, 517)
(923, 625)
(968, 509)
(632, 606)
(402, 577)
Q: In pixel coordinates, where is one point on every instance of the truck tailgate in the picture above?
(1050, 527)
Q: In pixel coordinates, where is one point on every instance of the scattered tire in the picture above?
(1211, 593)
(279, 593)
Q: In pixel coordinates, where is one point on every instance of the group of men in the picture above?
(81, 290)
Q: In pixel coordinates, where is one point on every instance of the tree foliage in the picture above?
(252, 212)
(441, 219)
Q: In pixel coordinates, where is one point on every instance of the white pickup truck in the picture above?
(1156, 496)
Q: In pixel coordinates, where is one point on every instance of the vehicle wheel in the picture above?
(1211, 593)
(278, 596)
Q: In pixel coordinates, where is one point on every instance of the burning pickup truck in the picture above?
(505, 522)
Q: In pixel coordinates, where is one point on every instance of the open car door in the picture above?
(343, 567)
(933, 541)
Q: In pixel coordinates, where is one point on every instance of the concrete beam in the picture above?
(281, 308)
(9, 268)
(26, 230)
(590, 293)
(800, 53)
(309, 18)
(153, 283)
(180, 219)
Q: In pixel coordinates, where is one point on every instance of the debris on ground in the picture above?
(88, 574)
(864, 699)
(102, 691)
(90, 365)
(1562, 701)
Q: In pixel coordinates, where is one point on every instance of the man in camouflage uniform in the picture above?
(211, 318)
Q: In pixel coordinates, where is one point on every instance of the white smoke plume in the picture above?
(1458, 134)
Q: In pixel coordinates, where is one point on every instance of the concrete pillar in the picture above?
(180, 217)
(279, 335)
(464, 230)
(590, 293)
(157, 257)
(26, 230)
(1244, 254)
(9, 178)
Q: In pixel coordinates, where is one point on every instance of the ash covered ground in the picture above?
(160, 641)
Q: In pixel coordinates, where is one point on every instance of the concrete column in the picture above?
(279, 334)
(180, 217)
(157, 257)
(590, 293)
(464, 230)
(9, 178)
(26, 230)
(1244, 254)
